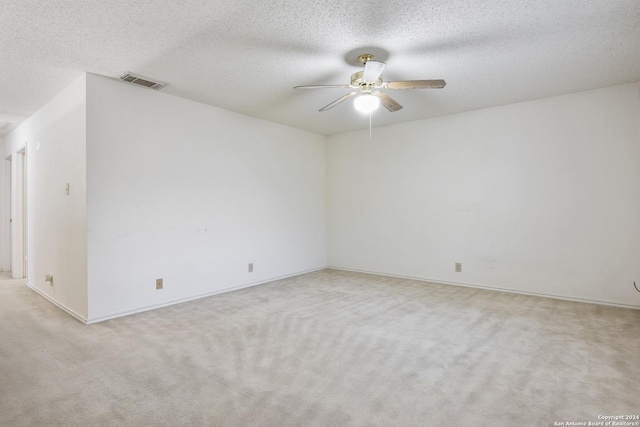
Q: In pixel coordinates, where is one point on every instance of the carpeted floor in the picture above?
(329, 348)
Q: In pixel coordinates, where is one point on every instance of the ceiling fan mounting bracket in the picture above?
(365, 57)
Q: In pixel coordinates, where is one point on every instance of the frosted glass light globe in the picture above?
(366, 103)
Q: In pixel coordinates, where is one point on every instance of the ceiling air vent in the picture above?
(139, 80)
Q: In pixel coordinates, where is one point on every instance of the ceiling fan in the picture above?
(367, 85)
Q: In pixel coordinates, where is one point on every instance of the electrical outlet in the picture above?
(159, 284)
(458, 267)
(49, 278)
(250, 267)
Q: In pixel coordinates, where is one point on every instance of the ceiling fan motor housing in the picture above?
(357, 80)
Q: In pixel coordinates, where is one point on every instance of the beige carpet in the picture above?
(329, 348)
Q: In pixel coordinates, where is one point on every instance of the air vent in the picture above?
(139, 80)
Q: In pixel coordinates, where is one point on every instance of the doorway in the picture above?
(18, 218)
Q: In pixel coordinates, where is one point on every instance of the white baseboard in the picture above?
(195, 297)
(490, 288)
(58, 304)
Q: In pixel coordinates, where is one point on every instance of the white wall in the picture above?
(55, 139)
(191, 193)
(540, 197)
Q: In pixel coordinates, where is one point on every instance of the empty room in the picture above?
(319, 214)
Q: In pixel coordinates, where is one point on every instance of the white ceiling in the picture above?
(246, 55)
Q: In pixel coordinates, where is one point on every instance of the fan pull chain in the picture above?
(370, 126)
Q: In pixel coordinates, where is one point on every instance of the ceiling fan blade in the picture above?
(338, 101)
(416, 84)
(372, 71)
(388, 102)
(323, 87)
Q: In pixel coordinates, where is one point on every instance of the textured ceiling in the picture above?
(246, 56)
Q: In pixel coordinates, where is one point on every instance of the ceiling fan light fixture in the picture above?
(366, 103)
